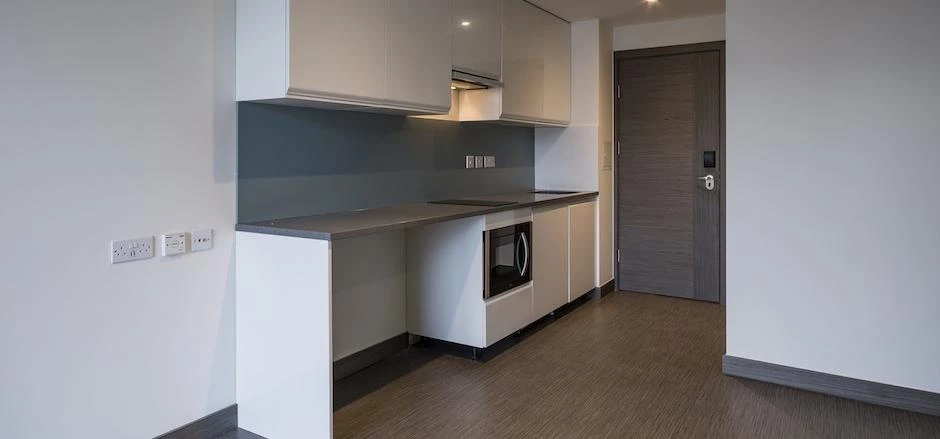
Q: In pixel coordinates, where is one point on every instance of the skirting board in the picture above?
(207, 427)
(351, 364)
(603, 290)
(866, 391)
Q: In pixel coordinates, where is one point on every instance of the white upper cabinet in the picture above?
(556, 90)
(337, 49)
(477, 27)
(419, 52)
(536, 71)
(523, 61)
(383, 55)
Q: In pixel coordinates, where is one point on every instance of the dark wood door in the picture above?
(669, 122)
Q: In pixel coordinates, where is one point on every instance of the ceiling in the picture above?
(625, 12)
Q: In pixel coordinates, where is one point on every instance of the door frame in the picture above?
(620, 55)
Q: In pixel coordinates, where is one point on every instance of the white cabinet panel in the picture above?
(508, 313)
(581, 237)
(419, 53)
(523, 60)
(478, 37)
(557, 51)
(282, 321)
(445, 281)
(337, 48)
(550, 260)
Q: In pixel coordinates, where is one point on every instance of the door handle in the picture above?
(709, 182)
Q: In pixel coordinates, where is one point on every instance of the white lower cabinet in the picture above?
(445, 274)
(444, 281)
(582, 224)
(445, 284)
(550, 259)
(508, 313)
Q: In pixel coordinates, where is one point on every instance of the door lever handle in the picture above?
(709, 182)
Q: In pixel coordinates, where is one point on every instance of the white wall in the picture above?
(116, 122)
(833, 240)
(670, 33)
(574, 157)
(605, 156)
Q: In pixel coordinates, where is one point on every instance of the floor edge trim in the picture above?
(887, 395)
(212, 425)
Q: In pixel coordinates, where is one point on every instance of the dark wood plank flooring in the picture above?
(625, 366)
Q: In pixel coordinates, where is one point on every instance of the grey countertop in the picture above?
(333, 226)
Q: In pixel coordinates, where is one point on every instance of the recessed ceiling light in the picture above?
(453, 88)
(651, 1)
(465, 23)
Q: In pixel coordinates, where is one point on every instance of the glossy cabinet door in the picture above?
(549, 259)
(337, 49)
(556, 39)
(581, 237)
(523, 61)
(477, 27)
(419, 53)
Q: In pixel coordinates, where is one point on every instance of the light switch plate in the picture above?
(471, 162)
(479, 161)
(201, 240)
(127, 250)
(489, 161)
(173, 244)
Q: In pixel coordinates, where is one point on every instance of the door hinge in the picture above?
(618, 255)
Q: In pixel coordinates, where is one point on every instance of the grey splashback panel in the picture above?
(303, 161)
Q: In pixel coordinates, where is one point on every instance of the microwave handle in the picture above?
(525, 262)
(486, 265)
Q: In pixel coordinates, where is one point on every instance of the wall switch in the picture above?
(173, 244)
(131, 250)
(489, 161)
(479, 161)
(471, 162)
(201, 240)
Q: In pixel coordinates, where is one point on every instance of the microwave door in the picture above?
(507, 259)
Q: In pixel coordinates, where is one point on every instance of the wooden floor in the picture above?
(625, 366)
(240, 434)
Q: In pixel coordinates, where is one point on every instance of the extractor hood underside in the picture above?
(468, 81)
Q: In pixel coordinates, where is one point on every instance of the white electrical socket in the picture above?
(489, 161)
(131, 250)
(471, 162)
(173, 244)
(200, 240)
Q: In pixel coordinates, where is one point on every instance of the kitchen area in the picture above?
(388, 191)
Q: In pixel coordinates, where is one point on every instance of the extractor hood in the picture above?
(468, 81)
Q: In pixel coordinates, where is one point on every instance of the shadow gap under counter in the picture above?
(342, 225)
